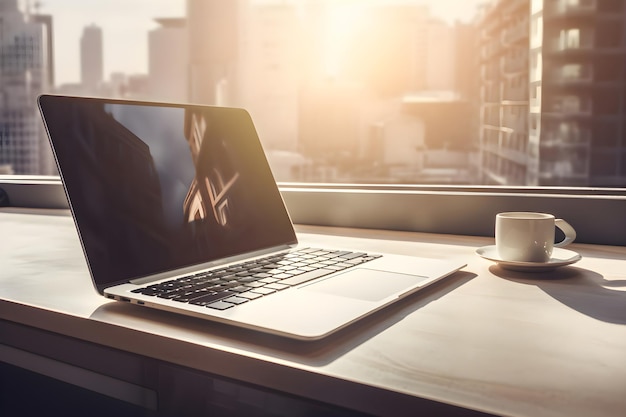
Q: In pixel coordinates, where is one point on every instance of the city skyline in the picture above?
(532, 102)
(131, 28)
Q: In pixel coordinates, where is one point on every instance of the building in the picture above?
(553, 93)
(91, 59)
(578, 93)
(214, 43)
(270, 53)
(168, 60)
(504, 93)
(465, 58)
(440, 58)
(24, 74)
(46, 20)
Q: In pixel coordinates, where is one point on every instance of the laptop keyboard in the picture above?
(227, 287)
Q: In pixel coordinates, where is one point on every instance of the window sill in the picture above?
(597, 214)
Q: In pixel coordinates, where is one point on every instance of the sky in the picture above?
(125, 25)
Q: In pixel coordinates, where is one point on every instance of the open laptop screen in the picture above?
(157, 187)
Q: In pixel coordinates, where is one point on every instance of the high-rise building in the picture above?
(168, 60)
(91, 59)
(23, 75)
(440, 57)
(214, 42)
(504, 103)
(553, 93)
(465, 58)
(578, 93)
(270, 57)
(46, 20)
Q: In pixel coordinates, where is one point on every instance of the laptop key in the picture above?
(239, 289)
(250, 295)
(353, 255)
(208, 299)
(356, 261)
(307, 276)
(236, 300)
(276, 286)
(263, 290)
(338, 267)
(146, 291)
(341, 253)
(220, 305)
(254, 284)
(316, 265)
(247, 279)
(283, 275)
(230, 277)
(169, 295)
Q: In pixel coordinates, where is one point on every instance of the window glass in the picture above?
(461, 92)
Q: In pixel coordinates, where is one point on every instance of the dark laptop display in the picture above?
(161, 187)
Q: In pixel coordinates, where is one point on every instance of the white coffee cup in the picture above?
(528, 236)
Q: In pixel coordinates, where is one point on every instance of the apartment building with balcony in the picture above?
(553, 93)
(578, 105)
(504, 94)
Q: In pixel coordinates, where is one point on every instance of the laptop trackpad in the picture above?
(366, 284)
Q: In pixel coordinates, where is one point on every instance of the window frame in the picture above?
(461, 210)
(598, 214)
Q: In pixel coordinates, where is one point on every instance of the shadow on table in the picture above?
(314, 353)
(580, 289)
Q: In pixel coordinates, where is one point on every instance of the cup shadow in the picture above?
(580, 289)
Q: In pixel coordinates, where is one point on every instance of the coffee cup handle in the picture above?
(568, 231)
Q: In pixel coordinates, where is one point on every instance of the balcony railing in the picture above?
(563, 8)
(583, 41)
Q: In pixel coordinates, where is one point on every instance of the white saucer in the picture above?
(560, 257)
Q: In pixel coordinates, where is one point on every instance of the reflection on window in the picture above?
(572, 71)
(570, 38)
(367, 91)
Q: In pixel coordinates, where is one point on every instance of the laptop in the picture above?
(177, 209)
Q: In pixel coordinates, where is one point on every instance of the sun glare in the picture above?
(342, 23)
(345, 20)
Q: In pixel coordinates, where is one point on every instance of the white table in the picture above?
(484, 339)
